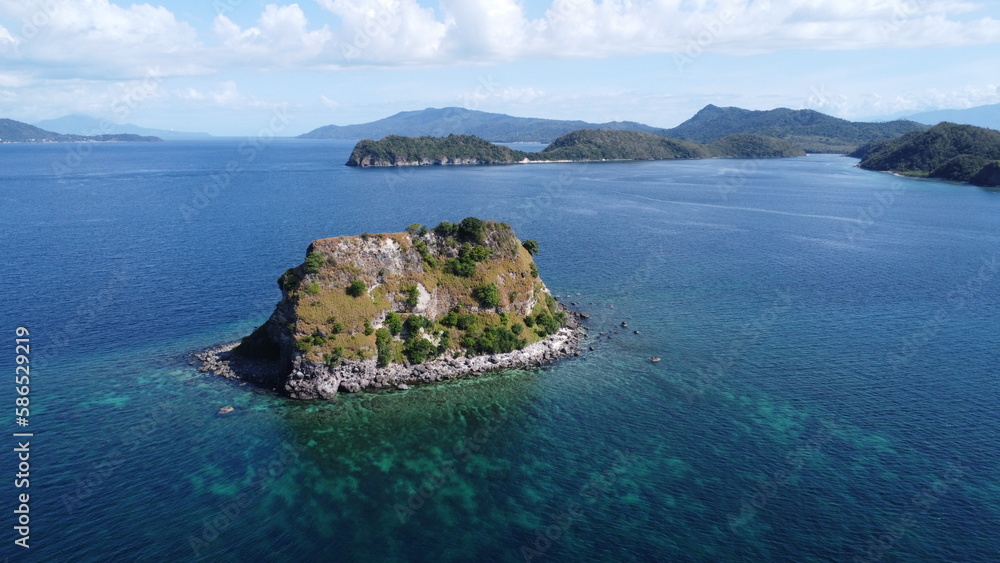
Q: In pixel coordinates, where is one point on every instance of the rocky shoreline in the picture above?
(311, 380)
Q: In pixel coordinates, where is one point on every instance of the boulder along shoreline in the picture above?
(312, 380)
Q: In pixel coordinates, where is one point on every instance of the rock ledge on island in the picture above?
(385, 310)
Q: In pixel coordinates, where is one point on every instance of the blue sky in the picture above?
(226, 66)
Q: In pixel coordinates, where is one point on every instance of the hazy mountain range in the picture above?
(811, 130)
(17, 132)
(494, 127)
(982, 116)
(86, 125)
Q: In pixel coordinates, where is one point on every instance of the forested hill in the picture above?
(602, 144)
(583, 145)
(17, 132)
(963, 153)
(396, 150)
(811, 130)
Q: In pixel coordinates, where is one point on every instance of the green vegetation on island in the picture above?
(809, 129)
(583, 145)
(17, 132)
(607, 144)
(453, 149)
(395, 301)
(961, 153)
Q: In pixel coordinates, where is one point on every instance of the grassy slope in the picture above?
(317, 312)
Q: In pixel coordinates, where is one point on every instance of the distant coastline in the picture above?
(811, 130)
(585, 145)
(947, 151)
(17, 132)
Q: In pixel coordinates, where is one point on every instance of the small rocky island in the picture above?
(385, 310)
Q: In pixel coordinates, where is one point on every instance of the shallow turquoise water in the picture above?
(827, 390)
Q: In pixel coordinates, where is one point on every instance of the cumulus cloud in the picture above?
(111, 38)
(96, 34)
(385, 31)
(226, 94)
(394, 32)
(484, 27)
(70, 49)
(280, 37)
(7, 40)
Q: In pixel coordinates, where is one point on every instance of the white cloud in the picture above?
(280, 38)
(98, 36)
(14, 80)
(7, 40)
(42, 98)
(391, 32)
(385, 31)
(484, 27)
(226, 94)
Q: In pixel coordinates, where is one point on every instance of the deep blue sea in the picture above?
(828, 389)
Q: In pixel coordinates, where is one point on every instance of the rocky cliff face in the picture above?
(372, 311)
(988, 176)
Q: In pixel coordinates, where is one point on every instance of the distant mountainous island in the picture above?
(981, 116)
(582, 145)
(17, 132)
(810, 130)
(494, 127)
(962, 153)
(87, 125)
